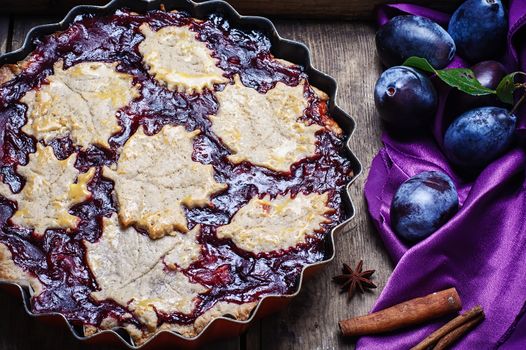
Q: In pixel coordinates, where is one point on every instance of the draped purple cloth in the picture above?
(482, 250)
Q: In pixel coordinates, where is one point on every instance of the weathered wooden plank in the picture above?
(232, 344)
(4, 33)
(18, 331)
(22, 25)
(341, 9)
(345, 51)
(252, 338)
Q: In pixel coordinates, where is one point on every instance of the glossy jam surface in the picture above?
(57, 258)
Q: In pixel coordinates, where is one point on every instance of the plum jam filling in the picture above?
(58, 258)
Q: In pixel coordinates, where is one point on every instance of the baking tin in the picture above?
(298, 53)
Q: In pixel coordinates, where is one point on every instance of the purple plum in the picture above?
(422, 205)
(479, 136)
(405, 98)
(408, 35)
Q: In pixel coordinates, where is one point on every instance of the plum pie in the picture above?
(159, 171)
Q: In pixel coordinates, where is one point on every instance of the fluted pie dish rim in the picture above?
(289, 50)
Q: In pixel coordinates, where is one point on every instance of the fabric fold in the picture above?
(482, 250)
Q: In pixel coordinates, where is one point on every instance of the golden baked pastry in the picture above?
(161, 171)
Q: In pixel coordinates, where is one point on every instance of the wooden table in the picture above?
(346, 51)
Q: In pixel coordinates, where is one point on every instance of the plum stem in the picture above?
(517, 105)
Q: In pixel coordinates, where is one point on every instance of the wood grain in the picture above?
(4, 33)
(22, 24)
(19, 331)
(341, 9)
(346, 51)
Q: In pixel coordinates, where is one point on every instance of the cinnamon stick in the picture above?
(459, 321)
(409, 313)
(457, 333)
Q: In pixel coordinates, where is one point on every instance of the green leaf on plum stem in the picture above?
(507, 87)
(420, 63)
(461, 78)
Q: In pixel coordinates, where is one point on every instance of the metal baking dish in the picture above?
(298, 53)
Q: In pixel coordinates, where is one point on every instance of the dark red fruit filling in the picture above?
(58, 258)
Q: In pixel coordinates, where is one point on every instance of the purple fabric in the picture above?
(482, 250)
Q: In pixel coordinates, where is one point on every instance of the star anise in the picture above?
(351, 281)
